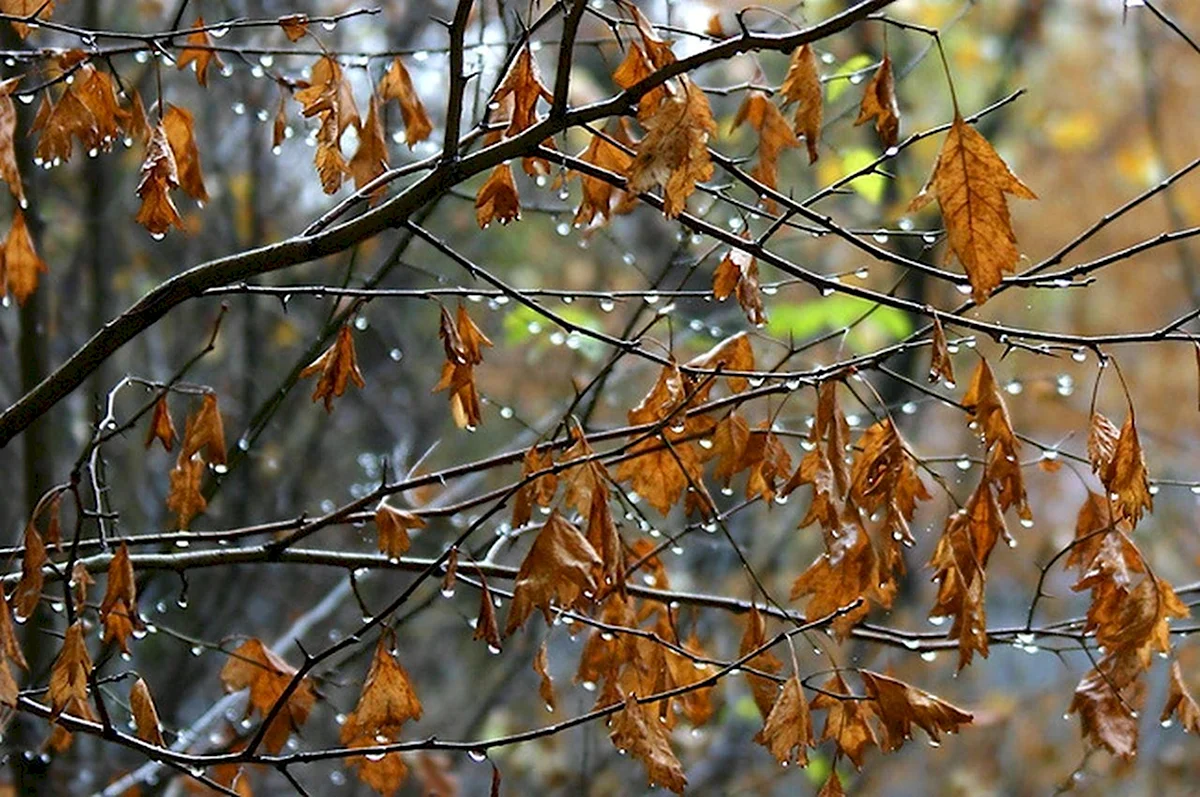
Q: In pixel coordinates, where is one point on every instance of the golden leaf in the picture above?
(1180, 702)
(970, 182)
(497, 198)
(899, 706)
(199, 51)
(205, 432)
(392, 525)
(179, 124)
(145, 715)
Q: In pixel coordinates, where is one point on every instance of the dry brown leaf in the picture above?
(255, 667)
(184, 497)
(10, 648)
(738, 273)
(636, 729)
(9, 172)
(1125, 475)
(879, 103)
(606, 542)
(387, 701)
(118, 610)
(295, 26)
(1180, 702)
(29, 589)
(179, 125)
(940, 364)
(26, 8)
(802, 84)
(1108, 712)
(497, 198)
(969, 182)
(205, 432)
(486, 627)
(899, 706)
(338, 366)
(545, 682)
(846, 723)
(765, 690)
(774, 136)
(560, 568)
(521, 89)
(199, 51)
(848, 571)
(161, 428)
(69, 674)
(601, 199)
(392, 525)
(539, 491)
(397, 85)
(19, 261)
(145, 715)
(371, 158)
(788, 731)
(160, 174)
(674, 153)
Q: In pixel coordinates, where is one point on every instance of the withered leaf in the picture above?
(118, 610)
(338, 366)
(849, 570)
(539, 491)
(295, 26)
(940, 365)
(29, 589)
(606, 542)
(734, 353)
(486, 627)
(160, 174)
(738, 273)
(802, 84)
(788, 731)
(1180, 702)
(69, 674)
(545, 682)
(774, 136)
(674, 153)
(637, 730)
(387, 701)
(371, 158)
(184, 497)
(1101, 443)
(255, 667)
(846, 723)
(199, 51)
(393, 524)
(145, 715)
(970, 182)
(161, 428)
(879, 103)
(765, 690)
(521, 89)
(560, 568)
(497, 198)
(8, 125)
(397, 85)
(205, 432)
(39, 9)
(179, 125)
(601, 199)
(899, 706)
(1109, 718)
(1125, 474)
(10, 648)
(19, 261)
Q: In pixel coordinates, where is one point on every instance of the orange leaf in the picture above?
(1108, 712)
(8, 125)
(162, 428)
(397, 85)
(738, 272)
(497, 198)
(205, 432)
(145, 715)
(69, 675)
(253, 666)
(29, 589)
(970, 182)
(879, 103)
(199, 53)
(485, 624)
(521, 88)
(788, 731)
(539, 491)
(636, 729)
(846, 722)
(674, 153)
(160, 174)
(371, 158)
(338, 366)
(39, 9)
(899, 706)
(545, 687)
(118, 611)
(1180, 702)
(765, 690)
(560, 568)
(295, 26)
(19, 261)
(802, 84)
(179, 123)
(184, 497)
(393, 525)
(387, 701)
(1125, 474)
(940, 365)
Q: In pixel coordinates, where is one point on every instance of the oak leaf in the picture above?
(737, 273)
(788, 731)
(538, 491)
(560, 568)
(802, 84)
(184, 497)
(969, 182)
(199, 51)
(205, 432)
(19, 261)
(1125, 475)
(179, 125)
(674, 153)
(397, 85)
(387, 700)
(846, 572)
(338, 366)
(879, 103)
(601, 199)
(295, 26)
(764, 690)
(29, 589)
(521, 89)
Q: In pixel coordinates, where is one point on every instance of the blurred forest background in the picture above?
(1110, 98)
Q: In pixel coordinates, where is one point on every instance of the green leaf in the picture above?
(870, 186)
(809, 319)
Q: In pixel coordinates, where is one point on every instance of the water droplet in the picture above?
(963, 288)
(478, 756)
(1079, 356)
(448, 593)
(963, 464)
(196, 650)
(331, 24)
(929, 655)
(881, 236)
(158, 236)
(218, 33)
(1026, 522)
(238, 108)
(938, 620)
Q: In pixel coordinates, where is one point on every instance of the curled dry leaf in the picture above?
(295, 26)
(636, 729)
(255, 667)
(560, 568)
(1180, 703)
(184, 497)
(1125, 474)
(520, 90)
(69, 674)
(20, 264)
(674, 153)
(765, 690)
(737, 273)
(338, 367)
(29, 589)
(802, 85)
(539, 491)
(940, 364)
(9, 172)
(199, 51)
(392, 525)
(145, 715)
(160, 174)
(179, 125)
(879, 103)
(774, 136)
(485, 624)
(899, 706)
(397, 85)
(846, 723)
(970, 182)
(371, 158)
(497, 198)
(788, 731)
(205, 432)
(118, 610)
(161, 428)
(545, 684)
(601, 199)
